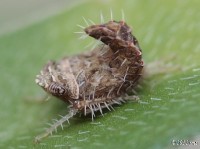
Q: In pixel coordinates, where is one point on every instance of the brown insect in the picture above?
(97, 79)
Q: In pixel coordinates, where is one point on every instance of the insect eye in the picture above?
(61, 90)
(56, 89)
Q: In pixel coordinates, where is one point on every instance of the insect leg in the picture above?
(54, 126)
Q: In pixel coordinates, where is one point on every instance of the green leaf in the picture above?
(168, 32)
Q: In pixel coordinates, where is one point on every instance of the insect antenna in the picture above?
(53, 127)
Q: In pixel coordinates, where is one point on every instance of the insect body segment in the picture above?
(100, 78)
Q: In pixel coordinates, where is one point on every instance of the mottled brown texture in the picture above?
(100, 77)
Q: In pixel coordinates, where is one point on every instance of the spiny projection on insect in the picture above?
(96, 79)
